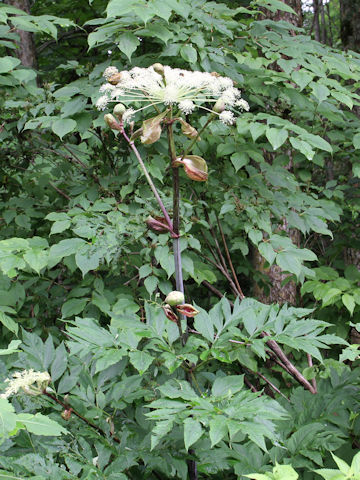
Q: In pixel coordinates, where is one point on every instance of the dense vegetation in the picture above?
(263, 382)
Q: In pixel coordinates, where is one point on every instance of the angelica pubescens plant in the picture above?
(173, 93)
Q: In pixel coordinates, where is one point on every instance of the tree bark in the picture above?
(288, 17)
(316, 20)
(323, 24)
(26, 51)
(350, 24)
(279, 291)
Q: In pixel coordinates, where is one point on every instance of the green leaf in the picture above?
(117, 8)
(7, 418)
(276, 137)
(37, 259)
(128, 43)
(188, 53)
(192, 432)
(267, 252)
(228, 385)
(141, 361)
(59, 363)
(8, 63)
(41, 425)
(72, 307)
(63, 126)
(320, 91)
(218, 429)
(356, 141)
(203, 324)
(239, 160)
(349, 302)
(151, 284)
(356, 170)
(289, 262)
(9, 323)
(87, 258)
(12, 348)
(302, 78)
(256, 130)
(302, 147)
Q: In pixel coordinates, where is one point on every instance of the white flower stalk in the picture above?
(227, 117)
(32, 383)
(183, 89)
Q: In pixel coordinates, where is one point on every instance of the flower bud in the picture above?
(119, 110)
(187, 310)
(175, 298)
(110, 120)
(194, 173)
(157, 224)
(159, 68)
(66, 414)
(115, 79)
(219, 106)
(169, 313)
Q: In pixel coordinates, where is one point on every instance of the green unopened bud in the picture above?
(119, 110)
(219, 106)
(159, 68)
(175, 298)
(111, 121)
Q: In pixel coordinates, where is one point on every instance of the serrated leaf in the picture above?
(192, 432)
(41, 425)
(141, 361)
(72, 307)
(218, 429)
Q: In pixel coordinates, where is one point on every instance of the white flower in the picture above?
(243, 104)
(25, 381)
(107, 88)
(227, 117)
(102, 102)
(171, 87)
(109, 72)
(130, 112)
(187, 106)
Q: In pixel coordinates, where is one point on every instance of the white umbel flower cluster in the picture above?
(159, 84)
(31, 382)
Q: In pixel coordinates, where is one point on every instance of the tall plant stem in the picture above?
(150, 182)
(176, 210)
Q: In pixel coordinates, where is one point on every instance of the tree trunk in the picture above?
(316, 20)
(288, 17)
(323, 24)
(279, 291)
(350, 24)
(26, 51)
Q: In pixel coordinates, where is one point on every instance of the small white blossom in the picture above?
(102, 102)
(109, 72)
(243, 104)
(107, 88)
(227, 117)
(32, 383)
(187, 106)
(130, 112)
